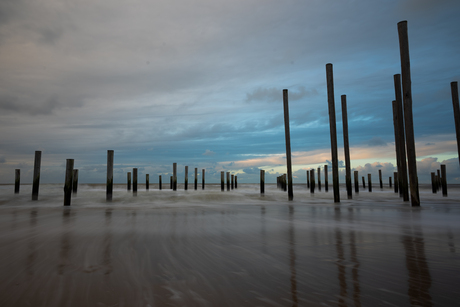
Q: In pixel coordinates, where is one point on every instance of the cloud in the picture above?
(2, 160)
(376, 141)
(209, 153)
(252, 170)
(276, 94)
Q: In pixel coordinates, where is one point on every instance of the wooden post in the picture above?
(68, 182)
(284, 183)
(147, 183)
(134, 180)
(402, 172)
(222, 181)
(171, 182)
(438, 183)
(396, 183)
(369, 182)
(174, 176)
(262, 181)
(326, 179)
(346, 146)
(355, 173)
(202, 180)
(186, 179)
(17, 180)
(159, 182)
(319, 179)
(36, 179)
(444, 180)
(236, 182)
(333, 131)
(364, 183)
(196, 178)
(129, 181)
(233, 178)
(308, 179)
(397, 133)
(109, 187)
(389, 179)
(228, 181)
(75, 181)
(408, 119)
(455, 103)
(288, 143)
(312, 180)
(433, 182)
(380, 179)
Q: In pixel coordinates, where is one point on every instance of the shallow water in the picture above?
(236, 248)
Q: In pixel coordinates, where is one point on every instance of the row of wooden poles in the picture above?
(403, 128)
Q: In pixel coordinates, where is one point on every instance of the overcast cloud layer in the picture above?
(200, 83)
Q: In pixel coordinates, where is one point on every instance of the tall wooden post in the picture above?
(196, 178)
(444, 180)
(222, 181)
(346, 146)
(36, 179)
(308, 179)
(333, 131)
(174, 176)
(68, 182)
(312, 180)
(233, 177)
(288, 144)
(402, 173)
(186, 179)
(109, 187)
(364, 183)
(75, 181)
(159, 182)
(17, 180)
(439, 183)
(433, 182)
(147, 181)
(326, 179)
(202, 180)
(408, 119)
(236, 182)
(319, 179)
(355, 173)
(129, 181)
(262, 181)
(455, 103)
(369, 182)
(380, 179)
(396, 183)
(228, 181)
(134, 180)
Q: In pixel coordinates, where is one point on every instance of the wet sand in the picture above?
(207, 248)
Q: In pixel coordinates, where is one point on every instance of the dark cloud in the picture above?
(376, 141)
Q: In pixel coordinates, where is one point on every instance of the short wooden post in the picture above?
(389, 182)
(288, 144)
(284, 183)
(233, 178)
(228, 181)
(159, 182)
(408, 119)
(444, 180)
(75, 181)
(355, 173)
(134, 180)
(222, 181)
(333, 131)
(326, 179)
(455, 103)
(196, 178)
(202, 180)
(171, 182)
(396, 183)
(36, 179)
(308, 179)
(129, 181)
(109, 184)
(369, 182)
(186, 179)
(364, 183)
(433, 182)
(147, 183)
(438, 183)
(174, 176)
(236, 182)
(380, 179)
(346, 146)
(68, 182)
(17, 180)
(262, 181)
(319, 179)
(312, 181)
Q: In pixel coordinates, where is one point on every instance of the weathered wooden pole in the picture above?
(396, 128)
(438, 182)
(288, 144)
(233, 178)
(408, 119)
(68, 182)
(159, 182)
(326, 179)
(319, 179)
(186, 179)
(333, 131)
(380, 179)
(312, 180)
(36, 179)
(402, 172)
(455, 103)
(308, 179)
(171, 182)
(355, 173)
(433, 182)
(346, 146)
(222, 181)
(228, 181)
(236, 182)
(444, 180)
(109, 187)
(202, 180)
(134, 180)
(364, 183)
(147, 181)
(129, 181)
(396, 183)
(369, 182)
(284, 183)
(196, 178)
(389, 182)
(174, 176)
(17, 180)
(75, 181)
(262, 181)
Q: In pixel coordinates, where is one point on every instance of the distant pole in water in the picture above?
(380, 179)
(68, 182)
(196, 178)
(222, 181)
(36, 179)
(355, 173)
(319, 178)
(346, 146)
(364, 183)
(174, 176)
(455, 103)
(326, 179)
(401, 139)
(186, 179)
(228, 181)
(129, 181)
(287, 134)
(333, 131)
(389, 182)
(312, 181)
(75, 181)
(134, 180)
(369, 182)
(444, 180)
(433, 182)
(233, 178)
(109, 188)
(236, 182)
(147, 183)
(159, 182)
(438, 177)
(408, 119)
(396, 183)
(171, 182)
(308, 179)
(17, 180)
(202, 180)
(262, 181)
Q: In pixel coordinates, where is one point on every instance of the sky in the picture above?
(200, 83)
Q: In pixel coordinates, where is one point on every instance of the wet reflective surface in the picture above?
(207, 248)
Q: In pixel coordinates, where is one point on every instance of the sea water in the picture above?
(230, 248)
